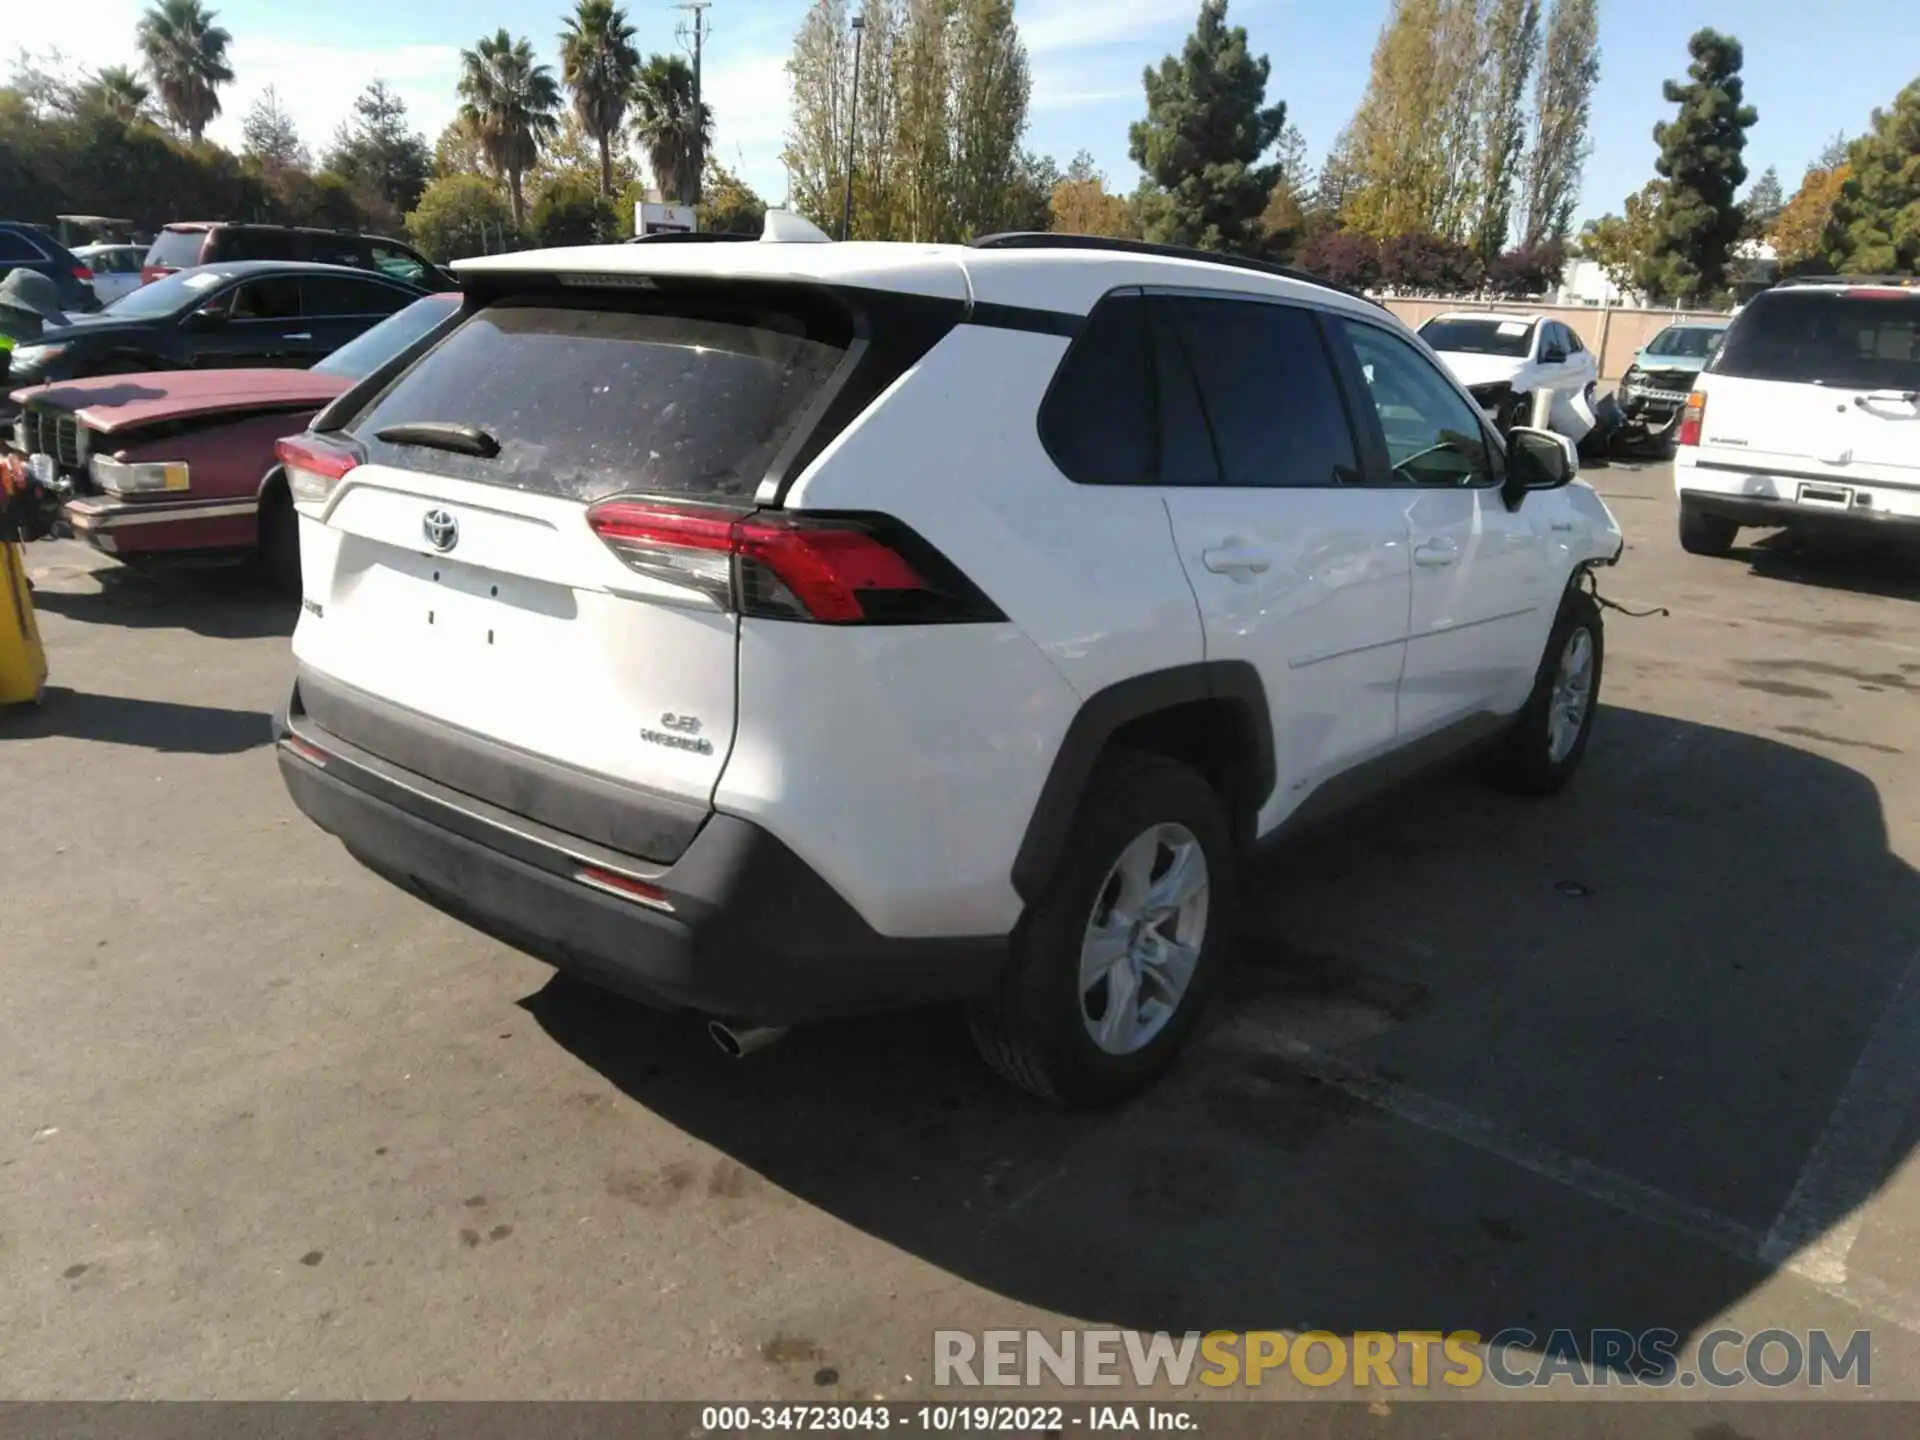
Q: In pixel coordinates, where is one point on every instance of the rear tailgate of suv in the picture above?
(462, 617)
(1815, 385)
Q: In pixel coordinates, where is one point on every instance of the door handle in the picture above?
(1232, 559)
(1435, 553)
(302, 335)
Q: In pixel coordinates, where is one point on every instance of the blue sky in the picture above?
(1810, 73)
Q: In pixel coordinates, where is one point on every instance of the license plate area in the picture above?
(1830, 497)
(447, 605)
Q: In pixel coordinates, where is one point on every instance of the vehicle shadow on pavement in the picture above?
(228, 603)
(1887, 569)
(1666, 976)
(127, 720)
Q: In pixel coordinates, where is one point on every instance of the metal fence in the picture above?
(1611, 332)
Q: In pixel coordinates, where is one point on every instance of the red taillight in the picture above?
(81, 272)
(151, 273)
(312, 754)
(314, 466)
(1692, 417)
(1880, 292)
(838, 570)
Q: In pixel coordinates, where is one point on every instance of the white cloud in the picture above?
(1050, 26)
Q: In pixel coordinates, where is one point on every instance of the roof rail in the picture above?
(1051, 240)
(1903, 281)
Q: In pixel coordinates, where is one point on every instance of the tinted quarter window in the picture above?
(253, 245)
(672, 396)
(338, 295)
(16, 248)
(1854, 342)
(402, 264)
(1267, 391)
(1434, 436)
(1097, 420)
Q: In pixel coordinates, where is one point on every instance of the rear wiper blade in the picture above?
(442, 435)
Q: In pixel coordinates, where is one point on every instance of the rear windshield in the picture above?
(1511, 338)
(588, 402)
(176, 248)
(1853, 342)
(1686, 342)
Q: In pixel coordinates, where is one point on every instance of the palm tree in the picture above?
(598, 63)
(508, 101)
(664, 123)
(121, 93)
(186, 54)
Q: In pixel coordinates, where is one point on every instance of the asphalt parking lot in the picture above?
(1641, 1056)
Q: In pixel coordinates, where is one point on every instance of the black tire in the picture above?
(280, 540)
(1031, 1027)
(1525, 763)
(1702, 533)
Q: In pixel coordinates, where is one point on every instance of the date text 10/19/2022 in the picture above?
(943, 1419)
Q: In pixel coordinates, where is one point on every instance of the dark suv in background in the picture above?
(28, 247)
(184, 245)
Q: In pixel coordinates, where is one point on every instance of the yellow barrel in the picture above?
(23, 660)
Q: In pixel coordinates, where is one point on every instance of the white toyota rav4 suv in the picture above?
(780, 630)
(1807, 417)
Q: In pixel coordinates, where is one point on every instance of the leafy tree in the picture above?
(820, 75)
(1290, 154)
(994, 186)
(1527, 270)
(458, 216)
(508, 102)
(1027, 202)
(1834, 153)
(671, 136)
(570, 151)
(186, 56)
(728, 203)
(570, 211)
(923, 164)
(1875, 228)
(599, 64)
(1346, 257)
(1622, 244)
(1800, 233)
(268, 134)
(457, 151)
(1760, 211)
(118, 92)
(1512, 40)
(378, 151)
(1081, 204)
(1700, 148)
(1206, 129)
(1569, 70)
(1430, 264)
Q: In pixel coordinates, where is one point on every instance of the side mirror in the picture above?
(201, 321)
(1537, 460)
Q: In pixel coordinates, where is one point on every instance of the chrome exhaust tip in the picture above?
(743, 1042)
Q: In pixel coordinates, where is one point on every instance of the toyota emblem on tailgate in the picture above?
(441, 529)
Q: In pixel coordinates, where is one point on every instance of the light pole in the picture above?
(853, 127)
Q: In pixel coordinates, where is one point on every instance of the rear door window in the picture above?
(176, 249)
(1861, 341)
(1267, 391)
(592, 396)
(324, 295)
(274, 297)
(254, 245)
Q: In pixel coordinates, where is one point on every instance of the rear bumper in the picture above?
(1791, 514)
(741, 927)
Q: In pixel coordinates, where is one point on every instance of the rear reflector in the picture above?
(314, 466)
(1693, 417)
(1880, 292)
(625, 886)
(312, 754)
(81, 272)
(834, 570)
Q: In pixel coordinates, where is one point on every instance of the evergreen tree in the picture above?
(268, 134)
(1700, 159)
(378, 151)
(1876, 216)
(1760, 211)
(1206, 129)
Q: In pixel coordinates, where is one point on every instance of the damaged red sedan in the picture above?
(178, 465)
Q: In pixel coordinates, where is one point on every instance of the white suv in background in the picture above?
(1504, 360)
(785, 630)
(1808, 416)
